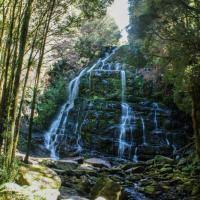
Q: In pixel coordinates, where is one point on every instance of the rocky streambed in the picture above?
(161, 178)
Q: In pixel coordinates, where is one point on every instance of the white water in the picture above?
(56, 132)
(135, 157)
(143, 131)
(50, 136)
(155, 109)
(127, 119)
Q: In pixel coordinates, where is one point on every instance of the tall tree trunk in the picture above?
(14, 102)
(17, 124)
(196, 121)
(46, 29)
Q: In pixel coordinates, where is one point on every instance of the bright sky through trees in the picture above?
(119, 11)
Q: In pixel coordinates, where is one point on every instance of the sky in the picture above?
(119, 11)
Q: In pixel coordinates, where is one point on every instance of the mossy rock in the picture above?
(13, 191)
(159, 159)
(150, 189)
(165, 170)
(107, 189)
(10, 191)
(38, 176)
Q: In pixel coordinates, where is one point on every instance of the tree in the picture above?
(166, 32)
(96, 36)
(25, 27)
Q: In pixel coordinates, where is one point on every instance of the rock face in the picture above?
(35, 182)
(109, 112)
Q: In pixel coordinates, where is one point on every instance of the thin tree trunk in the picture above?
(46, 29)
(22, 45)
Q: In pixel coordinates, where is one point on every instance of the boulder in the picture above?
(66, 164)
(10, 191)
(47, 194)
(38, 176)
(13, 191)
(97, 162)
(78, 159)
(106, 189)
(159, 159)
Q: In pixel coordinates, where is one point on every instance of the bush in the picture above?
(8, 175)
(49, 103)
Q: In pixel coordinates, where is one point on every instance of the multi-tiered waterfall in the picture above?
(104, 114)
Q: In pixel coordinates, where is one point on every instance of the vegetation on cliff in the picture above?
(165, 35)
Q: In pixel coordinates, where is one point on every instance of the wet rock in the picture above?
(165, 170)
(107, 189)
(97, 162)
(138, 169)
(78, 159)
(66, 164)
(150, 189)
(182, 161)
(163, 160)
(68, 193)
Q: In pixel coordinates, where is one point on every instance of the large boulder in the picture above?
(38, 176)
(66, 164)
(10, 191)
(106, 189)
(13, 191)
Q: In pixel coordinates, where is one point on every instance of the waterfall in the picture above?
(56, 133)
(127, 117)
(50, 136)
(135, 157)
(155, 109)
(143, 131)
(167, 141)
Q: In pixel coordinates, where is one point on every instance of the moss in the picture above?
(107, 188)
(150, 189)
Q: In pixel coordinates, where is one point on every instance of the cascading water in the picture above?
(56, 132)
(51, 137)
(127, 120)
(143, 131)
(92, 123)
(135, 157)
(155, 109)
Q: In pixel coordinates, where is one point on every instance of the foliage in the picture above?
(53, 96)
(167, 34)
(96, 36)
(8, 175)
(26, 29)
